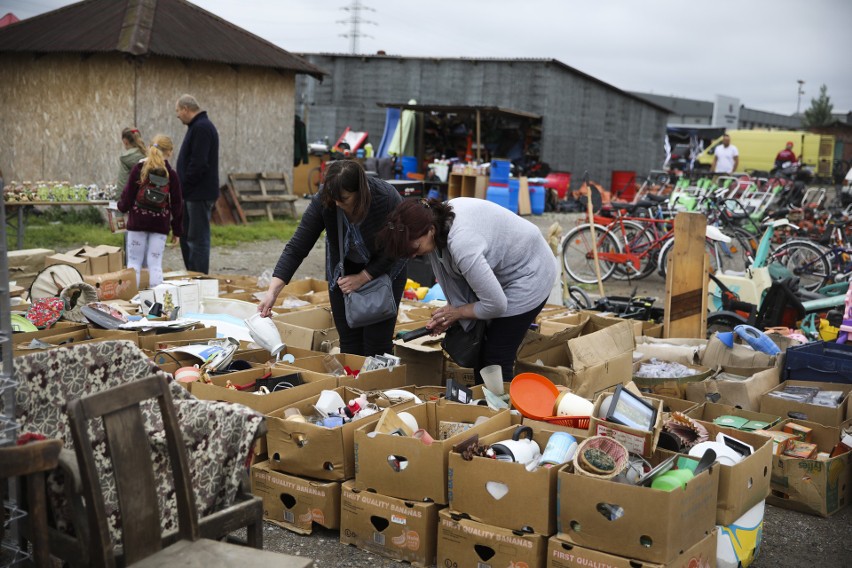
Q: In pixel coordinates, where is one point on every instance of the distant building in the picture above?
(695, 112)
(71, 79)
(585, 123)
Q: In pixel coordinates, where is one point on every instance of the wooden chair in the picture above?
(128, 446)
(30, 462)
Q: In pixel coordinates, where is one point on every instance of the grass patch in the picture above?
(57, 229)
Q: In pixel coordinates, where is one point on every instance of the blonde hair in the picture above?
(134, 138)
(161, 145)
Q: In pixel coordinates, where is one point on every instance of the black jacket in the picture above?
(198, 161)
(383, 199)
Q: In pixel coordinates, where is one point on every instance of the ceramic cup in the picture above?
(569, 404)
(187, 374)
(560, 449)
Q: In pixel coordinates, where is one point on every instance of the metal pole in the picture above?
(478, 146)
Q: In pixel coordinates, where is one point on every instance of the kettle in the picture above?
(520, 450)
(265, 334)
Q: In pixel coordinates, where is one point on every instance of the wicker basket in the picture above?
(610, 447)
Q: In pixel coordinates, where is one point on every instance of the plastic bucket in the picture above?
(560, 181)
(500, 170)
(537, 198)
(499, 195)
(623, 185)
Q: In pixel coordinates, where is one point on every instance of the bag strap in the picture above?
(340, 238)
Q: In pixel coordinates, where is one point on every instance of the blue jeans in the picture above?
(195, 242)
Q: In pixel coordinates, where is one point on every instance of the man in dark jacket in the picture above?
(198, 169)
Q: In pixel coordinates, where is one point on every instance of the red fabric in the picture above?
(30, 437)
(785, 155)
(45, 312)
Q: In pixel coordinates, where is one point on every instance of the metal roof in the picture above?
(170, 28)
(510, 60)
(461, 109)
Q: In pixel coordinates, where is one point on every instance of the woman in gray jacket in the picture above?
(134, 152)
(491, 264)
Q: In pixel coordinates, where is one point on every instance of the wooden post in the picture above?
(478, 146)
(686, 279)
(590, 212)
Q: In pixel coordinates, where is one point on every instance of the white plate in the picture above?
(724, 454)
(396, 393)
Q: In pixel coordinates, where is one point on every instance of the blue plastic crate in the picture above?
(822, 361)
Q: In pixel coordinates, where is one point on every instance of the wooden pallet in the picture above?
(263, 194)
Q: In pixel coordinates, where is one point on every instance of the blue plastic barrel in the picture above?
(537, 195)
(500, 170)
(409, 165)
(514, 188)
(499, 195)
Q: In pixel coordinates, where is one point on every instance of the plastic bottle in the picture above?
(368, 150)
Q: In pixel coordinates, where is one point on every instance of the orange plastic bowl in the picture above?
(533, 395)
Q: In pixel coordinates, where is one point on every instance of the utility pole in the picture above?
(799, 100)
(355, 21)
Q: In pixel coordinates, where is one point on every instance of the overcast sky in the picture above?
(754, 50)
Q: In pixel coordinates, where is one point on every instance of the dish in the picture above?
(398, 393)
(533, 395)
(724, 454)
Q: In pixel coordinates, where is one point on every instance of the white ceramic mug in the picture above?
(520, 450)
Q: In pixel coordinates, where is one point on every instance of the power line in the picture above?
(355, 22)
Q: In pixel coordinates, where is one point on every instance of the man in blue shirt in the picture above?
(198, 170)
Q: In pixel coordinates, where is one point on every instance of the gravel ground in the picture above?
(789, 538)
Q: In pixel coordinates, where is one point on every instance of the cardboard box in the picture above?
(710, 411)
(102, 258)
(115, 256)
(58, 328)
(744, 485)
(587, 359)
(674, 387)
(463, 542)
(207, 287)
(563, 554)
(813, 413)
(295, 503)
(637, 441)
(119, 285)
(459, 375)
(424, 359)
(553, 325)
(150, 340)
(745, 393)
(385, 378)
(389, 527)
(78, 262)
(718, 354)
(654, 526)
(179, 293)
(522, 498)
(816, 487)
(308, 289)
(25, 264)
(309, 329)
(425, 475)
(311, 450)
(673, 404)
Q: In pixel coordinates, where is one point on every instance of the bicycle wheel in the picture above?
(578, 299)
(638, 240)
(806, 260)
(710, 247)
(314, 180)
(737, 255)
(577, 254)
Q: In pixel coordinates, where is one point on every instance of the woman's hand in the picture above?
(445, 317)
(264, 308)
(352, 282)
(174, 240)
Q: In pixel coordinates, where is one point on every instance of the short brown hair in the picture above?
(347, 175)
(411, 220)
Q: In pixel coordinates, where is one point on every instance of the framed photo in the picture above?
(630, 410)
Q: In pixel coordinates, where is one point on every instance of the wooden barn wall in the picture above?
(63, 114)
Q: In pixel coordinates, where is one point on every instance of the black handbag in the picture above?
(462, 346)
(371, 303)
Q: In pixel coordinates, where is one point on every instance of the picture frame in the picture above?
(631, 410)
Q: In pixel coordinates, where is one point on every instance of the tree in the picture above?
(820, 112)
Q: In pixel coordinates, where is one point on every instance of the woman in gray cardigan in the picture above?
(491, 264)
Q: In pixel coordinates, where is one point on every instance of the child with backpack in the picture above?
(154, 205)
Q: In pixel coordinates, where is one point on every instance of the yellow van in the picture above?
(758, 149)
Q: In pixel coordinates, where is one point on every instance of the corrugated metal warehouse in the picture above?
(586, 124)
(71, 79)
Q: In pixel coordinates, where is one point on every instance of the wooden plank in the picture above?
(524, 205)
(223, 212)
(686, 279)
(234, 197)
(262, 184)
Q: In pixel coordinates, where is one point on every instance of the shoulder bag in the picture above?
(462, 346)
(371, 303)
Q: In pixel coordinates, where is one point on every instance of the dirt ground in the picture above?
(789, 538)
